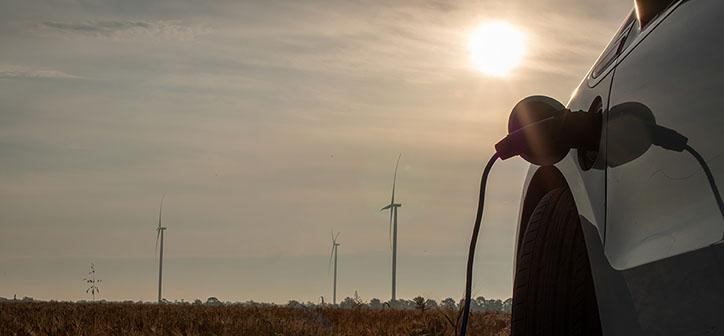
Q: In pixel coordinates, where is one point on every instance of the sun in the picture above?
(496, 47)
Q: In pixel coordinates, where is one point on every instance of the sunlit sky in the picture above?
(267, 124)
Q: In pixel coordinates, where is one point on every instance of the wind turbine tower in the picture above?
(159, 235)
(335, 245)
(393, 230)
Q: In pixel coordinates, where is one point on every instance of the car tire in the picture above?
(553, 293)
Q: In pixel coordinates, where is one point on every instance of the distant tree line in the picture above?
(480, 304)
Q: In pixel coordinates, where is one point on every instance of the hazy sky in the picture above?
(267, 124)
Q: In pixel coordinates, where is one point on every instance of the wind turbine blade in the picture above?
(158, 229)
(394, 179)
(160, 211)
(335, 237)
(386, 207)
(331, 254)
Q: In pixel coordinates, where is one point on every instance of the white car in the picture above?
(626, 239)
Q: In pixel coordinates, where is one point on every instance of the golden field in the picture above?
(77, 319)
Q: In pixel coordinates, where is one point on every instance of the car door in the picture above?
(663, 220)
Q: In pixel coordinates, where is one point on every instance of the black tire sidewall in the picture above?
(553, 290)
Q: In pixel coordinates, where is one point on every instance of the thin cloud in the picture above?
(125, 29)
(15, 71)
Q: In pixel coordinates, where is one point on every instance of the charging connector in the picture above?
(543, 133)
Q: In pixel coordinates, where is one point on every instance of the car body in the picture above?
(652, 227)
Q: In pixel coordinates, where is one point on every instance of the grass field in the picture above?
(45, 318)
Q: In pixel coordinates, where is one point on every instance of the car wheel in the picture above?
(553, 292)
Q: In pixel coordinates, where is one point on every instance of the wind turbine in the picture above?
(335, 244)
(159, 234)
(393, 230)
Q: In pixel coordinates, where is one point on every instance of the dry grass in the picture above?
(40, 318)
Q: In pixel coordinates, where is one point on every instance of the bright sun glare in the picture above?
(496, 47)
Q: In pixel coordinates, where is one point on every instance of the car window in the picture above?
(633, 32)
(614, 47)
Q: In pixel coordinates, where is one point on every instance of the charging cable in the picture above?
(474, 242)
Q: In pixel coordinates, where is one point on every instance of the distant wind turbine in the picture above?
(333, 256)
(393, 230)
(159, 234)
